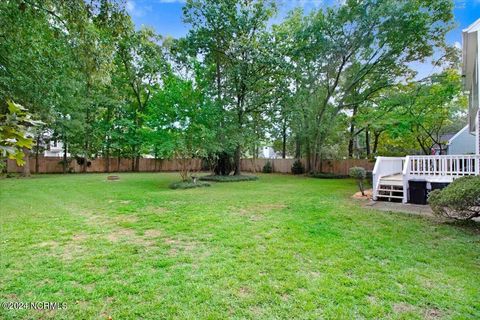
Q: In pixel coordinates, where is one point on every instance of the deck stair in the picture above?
(390, 188)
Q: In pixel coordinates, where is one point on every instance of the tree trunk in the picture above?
(238, 152)
(352, 133)
(137, 163)
(309, 158)
(284, 139)
(107, 157)
(26, 166)
(218, 76)
(321, 163)
(376, 138)
(298, 150)
(64, 155)
(155, 156)
(37, 151)
(367, 141)
(118, 161)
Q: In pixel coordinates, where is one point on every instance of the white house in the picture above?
(463, 142)
(394, 177)
(54, 148)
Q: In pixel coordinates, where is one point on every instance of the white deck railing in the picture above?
(452, 165)
(432, 168)
(385, 166)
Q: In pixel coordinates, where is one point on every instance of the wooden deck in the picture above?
(393, 180)
(397, 179)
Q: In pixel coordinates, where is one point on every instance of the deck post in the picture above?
(405, 178)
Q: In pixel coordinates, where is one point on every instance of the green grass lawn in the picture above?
(280, 247)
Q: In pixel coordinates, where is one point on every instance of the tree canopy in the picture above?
(336, 81)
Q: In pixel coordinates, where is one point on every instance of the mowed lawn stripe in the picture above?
(279, 247)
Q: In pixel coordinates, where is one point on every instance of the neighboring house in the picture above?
(443, 147)
(463, 142)
(54, 149)
(267, 152)
(394, 177)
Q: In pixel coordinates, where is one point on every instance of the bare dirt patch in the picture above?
(185, 247)
(367, 196)
(125, 235)
(80, 237)
(402, 307)
(431, 314)
(48, 244)
(68, 250)
(244, 292)
(153, 233)
(125, 219)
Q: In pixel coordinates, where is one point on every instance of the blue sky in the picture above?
(165, 16)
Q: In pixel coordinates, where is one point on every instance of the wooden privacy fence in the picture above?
(54, 165)
(339, 167)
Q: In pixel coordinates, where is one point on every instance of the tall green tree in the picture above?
(343, 55)
(243, 62)
(142, 62)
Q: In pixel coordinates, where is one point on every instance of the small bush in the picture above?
(359, 174)
(267, 168)
(297, 167)
(216, 178)
(189, 185)
(459, 200)
(3, 166)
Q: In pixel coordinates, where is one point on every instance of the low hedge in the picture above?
(459, 200)
(189, 185)
(228, 178)
(328, 176)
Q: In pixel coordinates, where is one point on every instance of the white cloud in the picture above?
(136, 11)
(130, 6)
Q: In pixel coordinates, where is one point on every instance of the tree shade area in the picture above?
(139, 250)
(331, 83)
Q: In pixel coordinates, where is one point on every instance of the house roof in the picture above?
(457, 134)
(447, 137)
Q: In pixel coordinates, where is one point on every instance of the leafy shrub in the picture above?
(267, 168)
(297, 167)
(359, 174)
(3, 166)
(189, 185)
(459, 200)
(228, 178)
(81, 161)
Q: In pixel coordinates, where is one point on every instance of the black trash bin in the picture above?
(417, 190)
(438, 185)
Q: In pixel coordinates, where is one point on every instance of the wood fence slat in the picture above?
(54, 165)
